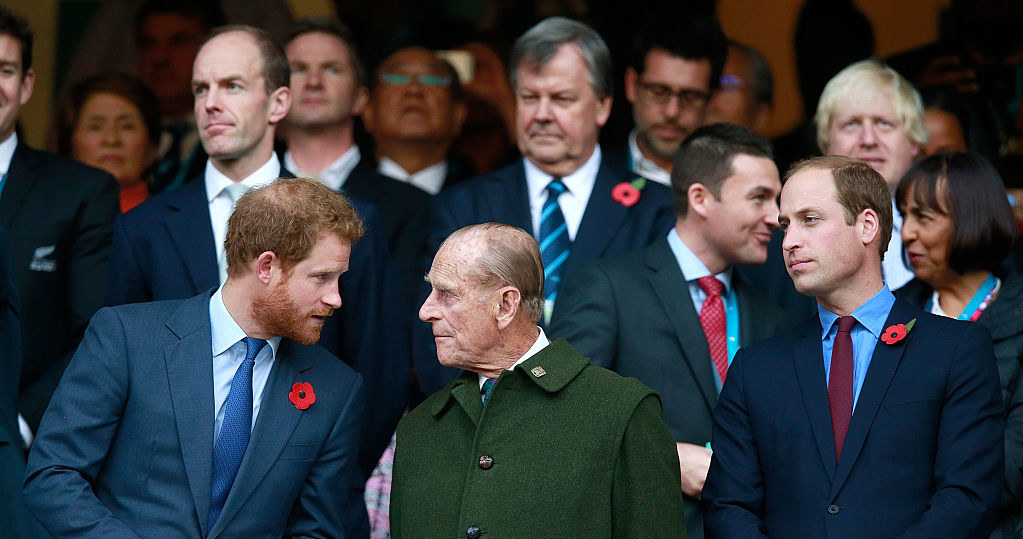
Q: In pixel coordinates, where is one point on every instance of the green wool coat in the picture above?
(574, 451)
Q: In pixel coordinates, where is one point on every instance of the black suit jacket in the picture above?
(607, 229)
(163, 249)
(634, 314)
(58, 214)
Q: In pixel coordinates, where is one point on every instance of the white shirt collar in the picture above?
(430, 179)
(539, 344)
(216, 181)
(225, 330)
(7, 148)
(335, 174)
(645, 167)
(578, 182)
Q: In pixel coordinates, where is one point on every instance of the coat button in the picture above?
(473, 532)
(833, 509)
(486, 462)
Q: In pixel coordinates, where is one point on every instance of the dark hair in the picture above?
(276, 71)
(538, 45)
(206, 12)
(970, 190)
(695, 38)
(763, 80)
(332, 27)
(706, 156)
(69, 109)
(17, 27)
(449, 71)
(857, 187)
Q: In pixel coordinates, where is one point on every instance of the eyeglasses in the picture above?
(397, 79)
(731, 82)
(661, 94)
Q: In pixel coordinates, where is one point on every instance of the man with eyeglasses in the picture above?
(414, 113)
(745, 95)
(563, 191)
(669, 83)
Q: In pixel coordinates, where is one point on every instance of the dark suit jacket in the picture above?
(633, 314)
(559, 468)
(1004, 319)
(607, 229)
(58, 215)
(163, 249)
(126, 449)
(922, 458)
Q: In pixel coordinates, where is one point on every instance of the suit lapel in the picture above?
(192, 233)
(20, 180)
(809, 363)
(882, 367)
(277, 419)
(190, 375)
(673, 292)
(602, 218)
(507, 194)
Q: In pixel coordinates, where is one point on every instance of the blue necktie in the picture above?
(234, 433)
(554, 245)
(488, 386)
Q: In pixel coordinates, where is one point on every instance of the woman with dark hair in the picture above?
(112, 122)
(957, 229)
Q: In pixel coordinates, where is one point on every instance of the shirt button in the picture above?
(473, 532)
(833, 509)
(486, 462)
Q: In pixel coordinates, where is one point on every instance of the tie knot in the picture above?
(252, 347)
(845, 324)
(488, 386)
(711, 285)
(556, 187)
(236, 190)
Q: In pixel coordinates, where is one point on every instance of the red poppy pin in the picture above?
(302, 395)
(896, 332)
(627, 193)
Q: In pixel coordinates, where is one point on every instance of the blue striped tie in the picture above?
(554, 245)
(234, 432)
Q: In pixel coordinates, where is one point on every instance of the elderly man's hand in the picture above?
(694, 461)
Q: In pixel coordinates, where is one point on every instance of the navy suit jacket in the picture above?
(58, 214)
(607, 229)
(164, 249)
(126, 448)
(922, 458)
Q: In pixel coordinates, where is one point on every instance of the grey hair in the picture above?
(539, 44)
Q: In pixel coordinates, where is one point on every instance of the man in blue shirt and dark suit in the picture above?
(823, 431)
(647, 314)
(216, 416)
(172, 245)
(562, 190)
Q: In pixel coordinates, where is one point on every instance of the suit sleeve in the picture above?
(125, 279)
(76, 434)
(1013, 493)
(330, 504)
(733, 496)
(586, 315)
(647, 469)
(969, 457)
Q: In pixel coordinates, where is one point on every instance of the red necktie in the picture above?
(840, 382)
(712, 318)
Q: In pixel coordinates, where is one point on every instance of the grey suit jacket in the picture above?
(126, 446)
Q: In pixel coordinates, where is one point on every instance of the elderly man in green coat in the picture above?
(532, 441)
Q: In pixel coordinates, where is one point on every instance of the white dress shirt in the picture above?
(335, 174)
(539, 344)
(220, 203)
(430, 179)
(7, 148)
(895, 271)
(645, 167)
(579, 185)
(228, 354)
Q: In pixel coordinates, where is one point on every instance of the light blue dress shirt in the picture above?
(692, 269)
(871, 317)
(228, 354)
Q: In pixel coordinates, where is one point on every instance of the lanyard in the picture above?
(980, 300)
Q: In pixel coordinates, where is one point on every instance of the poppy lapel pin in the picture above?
(302, 395)
(896, 332)
(627, 193)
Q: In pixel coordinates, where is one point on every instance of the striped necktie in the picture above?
(554, 245)
(488, 386)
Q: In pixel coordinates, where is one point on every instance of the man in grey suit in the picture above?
(673, 314)
(175, 419)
